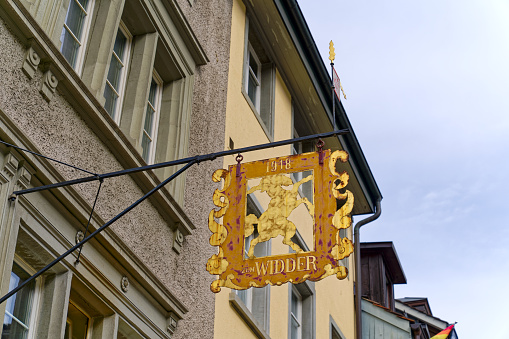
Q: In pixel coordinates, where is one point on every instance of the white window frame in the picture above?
(78, 67)
(35, 297)
(117, 110)
(296, 317)
(251, 74)
(156, 106)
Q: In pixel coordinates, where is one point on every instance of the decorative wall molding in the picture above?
(124, 284)
(79, 236)
(10, 166)
(49, 85)
(172, 323)
(32, 60)
(178, 239)
(24, 179)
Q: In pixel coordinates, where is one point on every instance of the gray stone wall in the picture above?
(211, 23)
(58, 129)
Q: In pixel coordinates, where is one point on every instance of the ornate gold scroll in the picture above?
(238, 271)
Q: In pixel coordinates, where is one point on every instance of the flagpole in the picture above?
(331, 58)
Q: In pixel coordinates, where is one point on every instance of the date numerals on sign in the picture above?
(273, 166)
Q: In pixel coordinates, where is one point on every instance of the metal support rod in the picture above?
(358, 275)
(45, 157)
(99, 230)
(199, 158)
(89, 220)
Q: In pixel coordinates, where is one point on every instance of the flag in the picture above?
(444, 334)
(337, 84)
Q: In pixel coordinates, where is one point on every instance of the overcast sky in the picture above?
(427, 83)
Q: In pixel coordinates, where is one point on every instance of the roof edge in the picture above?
(292, 16)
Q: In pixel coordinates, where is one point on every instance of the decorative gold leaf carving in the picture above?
(230, 225)
(342, 218)
(273, 221)
(217, 264)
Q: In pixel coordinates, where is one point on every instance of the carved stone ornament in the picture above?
(49, 85)
(24, 179)
(178, 240)
(124, 284)
(79, 236)
(276, 181)
(32, 60)
(10, 165)
(172, 323)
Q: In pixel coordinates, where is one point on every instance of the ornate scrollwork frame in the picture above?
(237, 272)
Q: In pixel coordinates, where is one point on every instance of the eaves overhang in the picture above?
(420, 316)
(389, 255)
(304, 43)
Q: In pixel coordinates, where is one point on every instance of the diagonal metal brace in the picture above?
(96, 232)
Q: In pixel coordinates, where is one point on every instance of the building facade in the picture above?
(279, 88)
(107, 85)
(383, 316)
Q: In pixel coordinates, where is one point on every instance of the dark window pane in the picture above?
(76, 326)
(111, 100)
(69, 47)
(75, 19)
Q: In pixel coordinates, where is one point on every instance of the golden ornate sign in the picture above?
(237, 266)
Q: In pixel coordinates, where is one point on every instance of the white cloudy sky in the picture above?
(427, 83)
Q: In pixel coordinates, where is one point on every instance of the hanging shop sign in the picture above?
(280, 182)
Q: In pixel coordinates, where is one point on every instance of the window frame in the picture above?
(306, 290)
(36, 295)
(251, 74)
(335, 331)
(79, 61)
(79, 308)
(262, 295)
(155, 119)
(264, 106)
(117, 110)
(295, 317)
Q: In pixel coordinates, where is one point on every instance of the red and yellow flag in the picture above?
(444, 334)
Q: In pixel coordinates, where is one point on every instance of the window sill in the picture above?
(247, 316)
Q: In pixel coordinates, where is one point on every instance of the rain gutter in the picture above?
(357, 256)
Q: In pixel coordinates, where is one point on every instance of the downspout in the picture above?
(357, 255)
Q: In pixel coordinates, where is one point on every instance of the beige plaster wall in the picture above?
(333, 297)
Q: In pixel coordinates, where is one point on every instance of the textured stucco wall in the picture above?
(57, 130)
(210, 21)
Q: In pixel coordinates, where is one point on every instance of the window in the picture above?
(151, 120)
(256, 300)
(116, 75)
(74, 32)
(259, 79)
(335, 331)
(253, 78)
(18, 311)
(301, 310)
(295, 314)
(306, 189)
(126, 332)
(77, 324)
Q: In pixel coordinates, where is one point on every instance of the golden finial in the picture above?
(332, 55)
